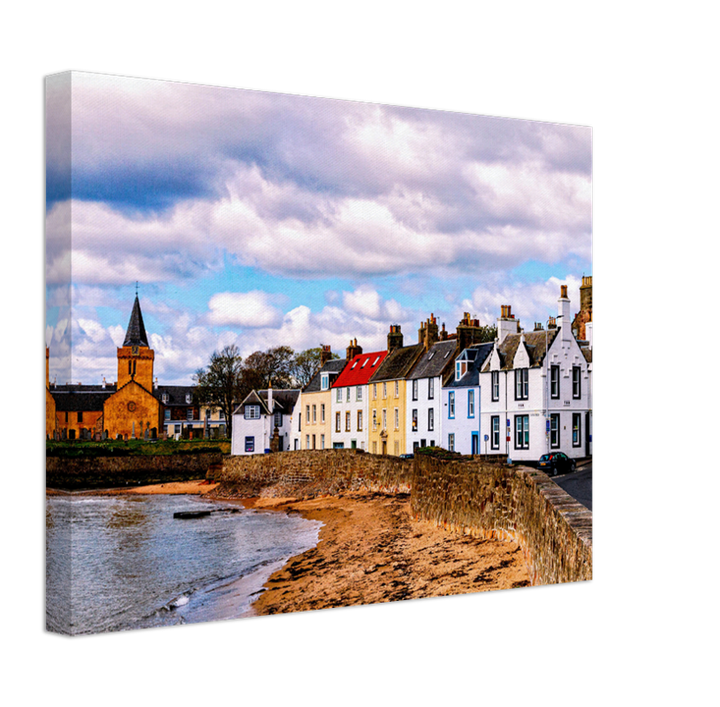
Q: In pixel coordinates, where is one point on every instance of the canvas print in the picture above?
(305, 353)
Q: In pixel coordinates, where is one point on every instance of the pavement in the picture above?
(578, 484)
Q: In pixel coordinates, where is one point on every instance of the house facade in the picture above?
(349, 398)
(312, 422)
(263, 421)
(387, 406)
(462, 403)
(535, 390)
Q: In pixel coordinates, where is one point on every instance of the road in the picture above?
(578, 484)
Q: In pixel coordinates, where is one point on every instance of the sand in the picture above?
(195, 488)
(370, 551)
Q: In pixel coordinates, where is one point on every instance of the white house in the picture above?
(349, 399)
(535, 389)
(424, 396)
(255, 420)
(461, 431)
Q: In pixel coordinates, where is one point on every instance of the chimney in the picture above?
(325, 354)
(506, 323)
(394, 338)
(270, 398)
(564, 314)
(538, 326)
(155, 385)
(47, 367)
(428, 333)
(353, 350)
(443, 335)
(103, 383)
(586, 294)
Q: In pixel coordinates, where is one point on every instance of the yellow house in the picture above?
(387, 388)
(313, 427)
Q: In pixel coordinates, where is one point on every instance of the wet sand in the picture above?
(370, 551)
(195, 488)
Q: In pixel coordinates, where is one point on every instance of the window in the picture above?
(249, 445)
(359, 420)
(495, 432)
(416, 446)
(80, 419)
(322, 413)
(324, 381)
(522, 431)
(207, 413)
(278, 419)
(167, 414)
(347, 421)
(337, 422)
(521, 384)
(164, 397)
(374, 422)
(358, 393)
(384, 391)
(221, 416)
(495, 385)
(431, 419)
(397, 389)
(188, 398)
(414, 420)
(415, 389)
(431, 388)
(307, 441)
(322, 441)
(555, 382)
(374, 391)
(313, 441)
(451, 405)
(554, 431)
(314, 414)
(576, 429)
(576, 382)
(338, 395)
(471, 403)
(397, 418)
(384, 418)
(189, 413)
(307, 414)
(347, 395)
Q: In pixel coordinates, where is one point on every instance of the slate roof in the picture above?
(436, 361)
(534, 343)
(587, 353)
(135, 335)
(283, 401)
(81, 398)
(479, 353)
(398, 363)
(176, 394)
(334, 366)
(360, 368)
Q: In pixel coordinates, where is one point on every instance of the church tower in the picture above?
(135, 357)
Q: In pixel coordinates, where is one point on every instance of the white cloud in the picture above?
(243, 309)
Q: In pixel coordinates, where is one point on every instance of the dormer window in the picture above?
(375, 361)
(460, 369)
(353, 366)
(165, 398)
(324, 381)
(188, 398)
(252, 412)
(365, 363)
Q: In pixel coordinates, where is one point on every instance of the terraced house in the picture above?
(349, 396)
(388, 395)
(312, 423)
(535, 389)
(263, 421)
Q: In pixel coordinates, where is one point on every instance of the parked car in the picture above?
(556, 463)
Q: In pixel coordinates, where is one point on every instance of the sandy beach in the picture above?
(194, 488)
(370, 551)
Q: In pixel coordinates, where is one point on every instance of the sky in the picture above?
(260, 219)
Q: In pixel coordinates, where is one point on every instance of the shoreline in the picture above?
(370, 550)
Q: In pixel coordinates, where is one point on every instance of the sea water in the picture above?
(124, 562)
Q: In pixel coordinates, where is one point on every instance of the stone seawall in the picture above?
(475, 497)
(111, 472)
(309, 473)
(508, 503)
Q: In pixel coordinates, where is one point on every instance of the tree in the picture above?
(272, 366)
(306, 364)
(489, 333)
(221, 384)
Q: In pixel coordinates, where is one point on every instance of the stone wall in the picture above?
(111, 472)
(508, 503)
(311, 473)
(471, 496)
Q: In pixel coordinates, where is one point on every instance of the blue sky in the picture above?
(262, 219)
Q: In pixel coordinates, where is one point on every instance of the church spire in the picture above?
(135, 335)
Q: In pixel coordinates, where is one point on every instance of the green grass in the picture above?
(135, 447)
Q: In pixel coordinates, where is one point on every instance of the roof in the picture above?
(80, 398)
(477, 355)
(398, 363)
(536, 343)
(283, 400)
(587, 353)
(135, 335)
(360, 368)
(334, 366)
(175, 394)
(435, 361)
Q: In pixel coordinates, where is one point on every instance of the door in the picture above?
(475, 443)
